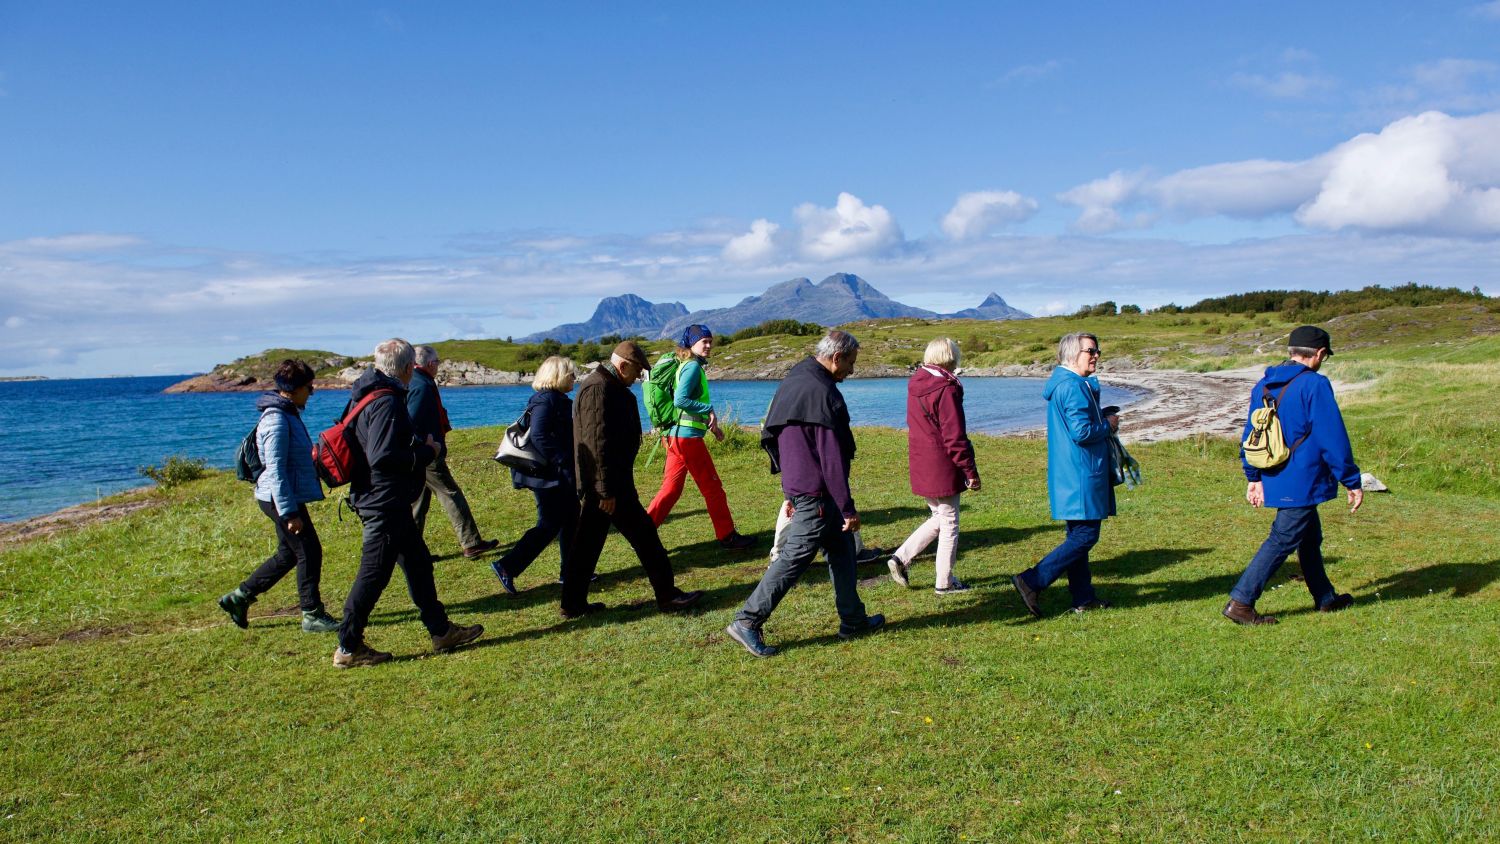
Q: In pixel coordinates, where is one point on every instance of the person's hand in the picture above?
(432, 443)
(1356, 498)
(1114, 422)
(717, 432)
(295, 524)
(972, 484)
(607, 505)
(851, 524)
(1255, 493)
(790, 509)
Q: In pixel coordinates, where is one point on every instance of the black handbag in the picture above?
(518, 452)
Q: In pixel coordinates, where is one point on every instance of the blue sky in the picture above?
(181, 184)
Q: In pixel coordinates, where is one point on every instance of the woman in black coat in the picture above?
(556, 494)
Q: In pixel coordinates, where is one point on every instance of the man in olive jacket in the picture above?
(607, 437)
(430, 418)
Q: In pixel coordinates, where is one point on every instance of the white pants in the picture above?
(782, 520)
(942, 526)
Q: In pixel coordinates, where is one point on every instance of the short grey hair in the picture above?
(942, 351)
(836, 343)
(1070, 344)
(394, 356)
(1300, 352)
(426, 355)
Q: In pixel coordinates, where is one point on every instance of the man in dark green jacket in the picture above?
(429, 417)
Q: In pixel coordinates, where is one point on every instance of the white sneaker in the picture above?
(954, 585)
(898, 572)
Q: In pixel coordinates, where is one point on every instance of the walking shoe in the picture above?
(318, 621)
(457, 636)
(1338, 602)
(681, 602)
(1096, 604)
(869, 554)
(1245, 614)
(736, 541)
(362, 656)
(237, 604)
(593, 578)
(481, 549)
(898, 572)
(1028, 595)
(872, 623)
(507, 582)
(580, 613)
(954, 585)
(750, 638)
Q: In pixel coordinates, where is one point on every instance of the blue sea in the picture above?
(67, 442)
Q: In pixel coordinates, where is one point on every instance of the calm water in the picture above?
(66, 442)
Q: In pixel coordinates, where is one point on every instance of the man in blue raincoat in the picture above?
(1080, 485)
(1321, 459)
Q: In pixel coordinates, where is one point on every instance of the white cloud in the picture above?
(755, 246)
(1449, 85)
(1429, 172)
(849, 229)
(981, 212)
(14, 322)
(73, 243)
(1285, 85)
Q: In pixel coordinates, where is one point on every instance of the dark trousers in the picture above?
(300, 551)
(439, 482)
(1295, 529)
(816, 523)
(391, 539)
(1072, 557)
(631, 521)
(556, 518)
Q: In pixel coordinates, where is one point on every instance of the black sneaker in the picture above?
(954, 586)
(580, 613)
(872, 623)
(750, 638)
(1028, 595)
(1096, 604)
(237, 604)
(736, 541)
(507, 582)
(898, 572)
(1337, 603)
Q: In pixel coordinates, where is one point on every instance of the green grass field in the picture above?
(131, 709)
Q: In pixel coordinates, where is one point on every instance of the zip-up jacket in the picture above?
(397, 461)
(289, 479)
(1320, 462)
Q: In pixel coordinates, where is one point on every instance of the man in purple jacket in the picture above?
(1321, 460)
(806, 433)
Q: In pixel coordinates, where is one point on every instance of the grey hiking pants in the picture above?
(440, 483)
(816, 523)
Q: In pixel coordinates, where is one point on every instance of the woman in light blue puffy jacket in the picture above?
(1080, 485)
(283, 489)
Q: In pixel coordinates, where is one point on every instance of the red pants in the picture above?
(687, 455)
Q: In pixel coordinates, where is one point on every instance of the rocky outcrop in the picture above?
(254, 373)
(451, 373)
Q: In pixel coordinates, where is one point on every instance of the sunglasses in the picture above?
(1093, 353)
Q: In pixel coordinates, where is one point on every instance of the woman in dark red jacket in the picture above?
(941, 460)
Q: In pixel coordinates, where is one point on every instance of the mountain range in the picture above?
(837, 299)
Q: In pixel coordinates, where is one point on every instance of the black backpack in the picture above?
(247, 465)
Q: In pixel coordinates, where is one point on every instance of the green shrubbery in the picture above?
(175, 471)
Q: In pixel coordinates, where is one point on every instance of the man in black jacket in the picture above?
(607, 437)
(382, 493)
(430, 418)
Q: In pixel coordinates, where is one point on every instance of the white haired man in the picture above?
(382, 494)
(428, 416)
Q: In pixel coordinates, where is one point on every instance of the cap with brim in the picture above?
(631, 352)
(1311, 337)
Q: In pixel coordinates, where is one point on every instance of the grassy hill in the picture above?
(132, 710)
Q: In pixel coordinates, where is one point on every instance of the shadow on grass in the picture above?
(1459, 579)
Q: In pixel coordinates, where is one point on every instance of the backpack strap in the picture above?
(1275, 404)
(365, 402)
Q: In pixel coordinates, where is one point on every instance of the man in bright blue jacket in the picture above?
(1080, 485)
(1321, 460)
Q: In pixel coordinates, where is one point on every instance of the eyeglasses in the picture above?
(1093, 352)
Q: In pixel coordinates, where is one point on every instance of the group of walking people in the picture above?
(587, 484)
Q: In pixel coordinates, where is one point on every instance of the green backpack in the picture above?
(660, 390)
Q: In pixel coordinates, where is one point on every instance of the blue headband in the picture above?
(694, 333)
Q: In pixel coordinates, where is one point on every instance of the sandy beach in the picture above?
(1180, 404)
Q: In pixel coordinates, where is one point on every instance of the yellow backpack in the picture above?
(1265, 446)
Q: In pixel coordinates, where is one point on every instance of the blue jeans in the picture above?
(816, 523)
(1295, 529)
(1072, 557)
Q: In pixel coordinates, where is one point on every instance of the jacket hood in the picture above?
(928, 380)
(270, 399)
(1282, 372)
(373, 379)
(1060, 376)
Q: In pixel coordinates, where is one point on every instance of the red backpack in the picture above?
(335, 454)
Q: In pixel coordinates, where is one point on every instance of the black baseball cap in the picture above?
(1311, 337)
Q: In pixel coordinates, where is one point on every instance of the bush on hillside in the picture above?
(175, 471)
(1309, 306)
(772, 327)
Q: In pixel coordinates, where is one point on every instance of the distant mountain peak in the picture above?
(626, 315)
(993, 299)
(993, 307)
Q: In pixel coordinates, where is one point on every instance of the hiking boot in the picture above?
(362, 656)
(477, 551)
(1028, 595)
(898, 572)
(318, 621)
(237, 604)
(681, 602)
(750, 638)
(1245, 614)
(1090, 606)
(872, 623)
(736, 541)
(568, 612)
(457, 636)
(954, 585)
(1337, 603)
(507, 582)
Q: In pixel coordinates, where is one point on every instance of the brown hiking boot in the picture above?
(362, 656)
(1338, 603)
(457, 636)
(1245, 614)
